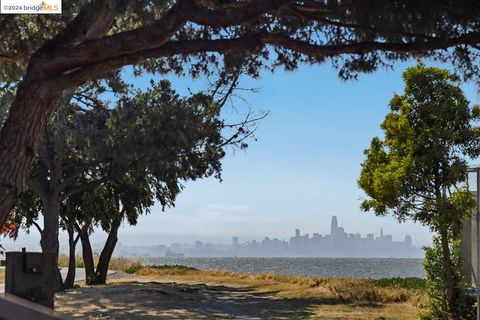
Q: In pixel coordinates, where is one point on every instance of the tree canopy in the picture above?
(418, 171)
(268, 33)
(429, 132)
(104, 160)
(199, 36)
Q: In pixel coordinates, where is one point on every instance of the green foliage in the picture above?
(133, 268)
(147, 146)
(411, 283)
(177, 138)
(110, 160)
(415, 171)
(173, 269)
(435, 283)
(173, 266)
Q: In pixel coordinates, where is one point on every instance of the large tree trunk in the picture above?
(35, 102)
(72, 243)
(49, 240)
(87, 255)
(448, 274)
(106, 255)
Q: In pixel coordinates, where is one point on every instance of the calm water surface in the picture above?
(327, 267)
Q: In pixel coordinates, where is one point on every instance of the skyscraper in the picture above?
(235, 242)
(334, 226)
(408, 240)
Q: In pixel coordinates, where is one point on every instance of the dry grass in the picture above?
(264, 296)
(337, 298)
(2, 275)
(346, 290)
(399, 311)
(128, 265)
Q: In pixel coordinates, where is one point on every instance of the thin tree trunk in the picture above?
(106, 255)
(87, 255)
(448, 273)
(72, 243)
(49, 239)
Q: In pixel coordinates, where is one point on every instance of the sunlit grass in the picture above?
(344, 289)
(328, 298)
(128, 265)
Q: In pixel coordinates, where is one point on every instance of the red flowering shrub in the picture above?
(10, 228)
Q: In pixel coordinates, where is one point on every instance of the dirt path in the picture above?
(155, 300)
(182, 293)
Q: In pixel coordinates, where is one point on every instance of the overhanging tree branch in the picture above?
(254, 42)
(93, 21)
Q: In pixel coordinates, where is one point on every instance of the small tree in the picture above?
(416, 171)
(107, 206)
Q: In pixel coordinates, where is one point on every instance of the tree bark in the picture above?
(36, 98)
(87, 255)
(49, 239)
(72, 243)
(448, 274)
(106, 255)
(20, 137)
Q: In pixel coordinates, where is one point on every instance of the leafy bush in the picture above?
(436, 286)
(367, 291)
(175, 269)
(411, 283)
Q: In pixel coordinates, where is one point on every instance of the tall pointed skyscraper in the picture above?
(381, 232)
(334, 226)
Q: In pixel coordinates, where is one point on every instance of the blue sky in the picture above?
(301, 171)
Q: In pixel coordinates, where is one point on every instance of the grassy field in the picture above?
(181, 292)
(331, 297)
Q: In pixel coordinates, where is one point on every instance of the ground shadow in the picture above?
(154, 300)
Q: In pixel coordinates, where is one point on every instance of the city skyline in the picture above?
(338, 243)
(303, 167)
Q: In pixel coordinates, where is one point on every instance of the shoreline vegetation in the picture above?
(175, 291)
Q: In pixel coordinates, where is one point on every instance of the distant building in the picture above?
(408, 240)
(235, 244)
(198, 245)
(334, 226)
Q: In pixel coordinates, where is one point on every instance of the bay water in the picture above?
(374, 268)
